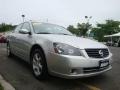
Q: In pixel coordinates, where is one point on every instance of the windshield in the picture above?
(45, 28)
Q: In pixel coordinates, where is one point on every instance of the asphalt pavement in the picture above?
(18, 73)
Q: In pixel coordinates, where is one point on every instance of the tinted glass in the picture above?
(17, 29)
(26, 26)
(49, 28)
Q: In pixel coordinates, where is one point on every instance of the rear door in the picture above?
(24, 42)
(13, 39)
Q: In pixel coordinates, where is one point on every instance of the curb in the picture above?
(5, 84)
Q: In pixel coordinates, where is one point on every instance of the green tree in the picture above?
(83, 28)
(107, 28)
(6, 27)
(73, 30)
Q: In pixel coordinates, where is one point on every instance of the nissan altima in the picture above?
(51, 49)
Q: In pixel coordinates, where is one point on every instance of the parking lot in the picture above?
(18, 73)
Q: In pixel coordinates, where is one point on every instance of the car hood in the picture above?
(75, 41)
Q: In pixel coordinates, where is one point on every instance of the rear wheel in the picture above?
(119, 44)
(9, 54)
(38, 63)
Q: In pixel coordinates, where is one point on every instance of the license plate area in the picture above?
(103, 63)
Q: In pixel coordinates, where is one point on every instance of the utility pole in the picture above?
(87, 26)
(23, 17)
(88, 18)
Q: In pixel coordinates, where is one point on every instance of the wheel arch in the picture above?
(39, 47)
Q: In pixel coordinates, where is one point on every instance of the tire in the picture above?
(38, 64)
(119, 44)
(9, 54)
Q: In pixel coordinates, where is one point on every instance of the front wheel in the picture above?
(39, 66)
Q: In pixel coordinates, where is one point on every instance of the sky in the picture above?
(61, 12)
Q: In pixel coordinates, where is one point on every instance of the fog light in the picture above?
(73, 71)
(76, 71)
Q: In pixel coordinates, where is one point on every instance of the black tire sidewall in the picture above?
(44, 72)
(10, 54)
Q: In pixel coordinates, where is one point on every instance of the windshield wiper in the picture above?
(44, 33)
(64, 34)
(53, 33)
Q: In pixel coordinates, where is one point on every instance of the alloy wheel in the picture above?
(37, 65)
(8, 50)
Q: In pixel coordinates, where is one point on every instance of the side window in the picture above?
(26, 26)
(17, 29)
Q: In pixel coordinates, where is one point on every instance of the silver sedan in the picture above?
(52, 49)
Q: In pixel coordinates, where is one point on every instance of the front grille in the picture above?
(95, 53)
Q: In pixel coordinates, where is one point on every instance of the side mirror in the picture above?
(24, 31)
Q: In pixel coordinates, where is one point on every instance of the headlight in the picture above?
(65, 49)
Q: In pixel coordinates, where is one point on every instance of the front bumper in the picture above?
(76, 66)
(68, 76)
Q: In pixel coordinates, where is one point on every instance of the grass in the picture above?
(1, 88)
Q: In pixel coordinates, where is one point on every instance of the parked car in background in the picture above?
(109, 43)
(51, 49)
(2, 39)
(113, 43)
